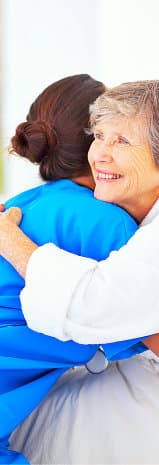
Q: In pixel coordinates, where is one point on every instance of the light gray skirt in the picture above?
(107, 418)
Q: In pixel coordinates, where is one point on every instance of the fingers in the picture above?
(2, 207)
(14, 215)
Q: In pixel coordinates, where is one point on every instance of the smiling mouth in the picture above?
(100, 175)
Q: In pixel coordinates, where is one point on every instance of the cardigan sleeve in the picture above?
(72, 297)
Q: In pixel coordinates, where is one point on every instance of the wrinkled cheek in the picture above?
(133, 184)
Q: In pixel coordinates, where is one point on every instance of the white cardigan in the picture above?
(72, 297)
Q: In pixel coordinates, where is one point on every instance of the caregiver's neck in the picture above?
(86, 181)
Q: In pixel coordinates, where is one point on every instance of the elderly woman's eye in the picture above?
(122, 140)
(98, 135)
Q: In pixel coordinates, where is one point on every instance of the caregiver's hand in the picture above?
(152, 343)
(15, 246)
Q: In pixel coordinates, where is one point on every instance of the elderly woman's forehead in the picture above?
(133, 123)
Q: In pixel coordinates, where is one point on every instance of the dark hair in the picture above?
(54, 135)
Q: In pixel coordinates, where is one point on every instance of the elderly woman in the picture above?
(106, 301)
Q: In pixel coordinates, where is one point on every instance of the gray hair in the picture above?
(131, 99)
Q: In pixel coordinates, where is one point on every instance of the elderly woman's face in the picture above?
(122, 165)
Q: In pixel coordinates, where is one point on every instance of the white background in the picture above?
(45, 40)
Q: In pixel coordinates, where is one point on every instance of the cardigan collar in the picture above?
(152, 214)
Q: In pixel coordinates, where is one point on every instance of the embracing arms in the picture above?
(68, 296)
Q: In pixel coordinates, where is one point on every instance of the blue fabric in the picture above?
(30, 363)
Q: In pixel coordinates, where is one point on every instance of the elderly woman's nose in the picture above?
(103, 154)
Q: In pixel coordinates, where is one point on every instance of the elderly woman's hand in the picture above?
(9, 220)
(13, 214)
(15, 246)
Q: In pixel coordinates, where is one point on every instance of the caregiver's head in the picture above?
(53, 135)
(124, 156)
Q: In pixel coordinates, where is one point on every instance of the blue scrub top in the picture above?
(68, 215)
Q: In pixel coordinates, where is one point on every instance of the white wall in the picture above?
(45, 40)
(130, 40)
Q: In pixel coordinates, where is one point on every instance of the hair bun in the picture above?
(34, 140)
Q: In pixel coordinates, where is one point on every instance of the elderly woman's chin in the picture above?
(110, 191)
